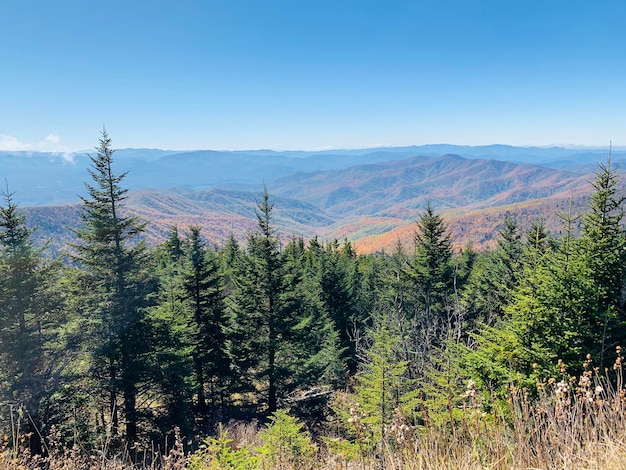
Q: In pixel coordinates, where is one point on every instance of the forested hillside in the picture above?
(372, 205)
(123, 350)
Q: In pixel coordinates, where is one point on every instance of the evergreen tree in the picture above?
(208, 323)
(259, 315)
(275, 321)
(430, 269)
(229, 258)
(331, 268)
(173, 351)
(116, 286)
(431, 277)
(383, 392)
(570, 304)
(603, 249)
(172, 249)
(317, 349)
(493, 278)
(567, 303)
(29, 309)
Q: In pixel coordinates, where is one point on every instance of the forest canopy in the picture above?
(122, 342)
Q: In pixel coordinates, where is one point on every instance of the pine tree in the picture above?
(431, 279)
(603, 249)
(494, 277)
(280, 340)
(29, 316)
(116, 286)
(172, 364)
(208, 323)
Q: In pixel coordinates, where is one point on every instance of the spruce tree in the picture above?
(603, 249)
(317, 350)
(29, 316)
(494, 277)
(116, 286)
(260, 315)
(279, 340)
(229, 256)
(172, 363)
(430, 276)
(208, 324)
(383, 392)
(20, 264)
(568, 300)
(430, 269)
(330, 268)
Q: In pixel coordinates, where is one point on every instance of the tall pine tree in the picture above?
(208, 325)
(29, 308)
(431, 280)
(116, 287)
(603, 249)
(281, 339)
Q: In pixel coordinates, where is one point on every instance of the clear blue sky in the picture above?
(296, 74)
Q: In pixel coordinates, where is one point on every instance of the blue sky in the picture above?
(296, 74)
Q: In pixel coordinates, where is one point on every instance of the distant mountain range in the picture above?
(371, 196)
(40, 178)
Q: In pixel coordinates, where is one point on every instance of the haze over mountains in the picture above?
(364, 194)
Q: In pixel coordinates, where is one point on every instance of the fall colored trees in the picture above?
(122, 342)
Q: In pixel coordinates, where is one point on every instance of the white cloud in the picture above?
(51, 144)
(53, 139)
(67, 156)
(8, 142)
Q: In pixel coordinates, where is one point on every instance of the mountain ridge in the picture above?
(47, 178)
(367, 204)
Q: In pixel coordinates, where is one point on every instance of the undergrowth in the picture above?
(569, 422)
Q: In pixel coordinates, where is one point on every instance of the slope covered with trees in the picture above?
(119, 346)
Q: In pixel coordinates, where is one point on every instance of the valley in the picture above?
(370, 197)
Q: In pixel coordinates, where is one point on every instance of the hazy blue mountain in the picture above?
(40, 178)
(400, 187)
(356, 202)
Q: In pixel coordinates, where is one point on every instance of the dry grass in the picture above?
(574, 423)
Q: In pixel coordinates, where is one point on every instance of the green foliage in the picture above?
(429, 296)
(260, 314)
(333, 270)
(285, 444)
(281, 339)
(382, 390)
(172, 353)
(567, 302)
(207, 322)
(123, 344)
(430, 270)
(603, 250)
(495, 359)
(116, 285)
(493, 279)
(217, 453)
(30, 316)
(318, 351)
